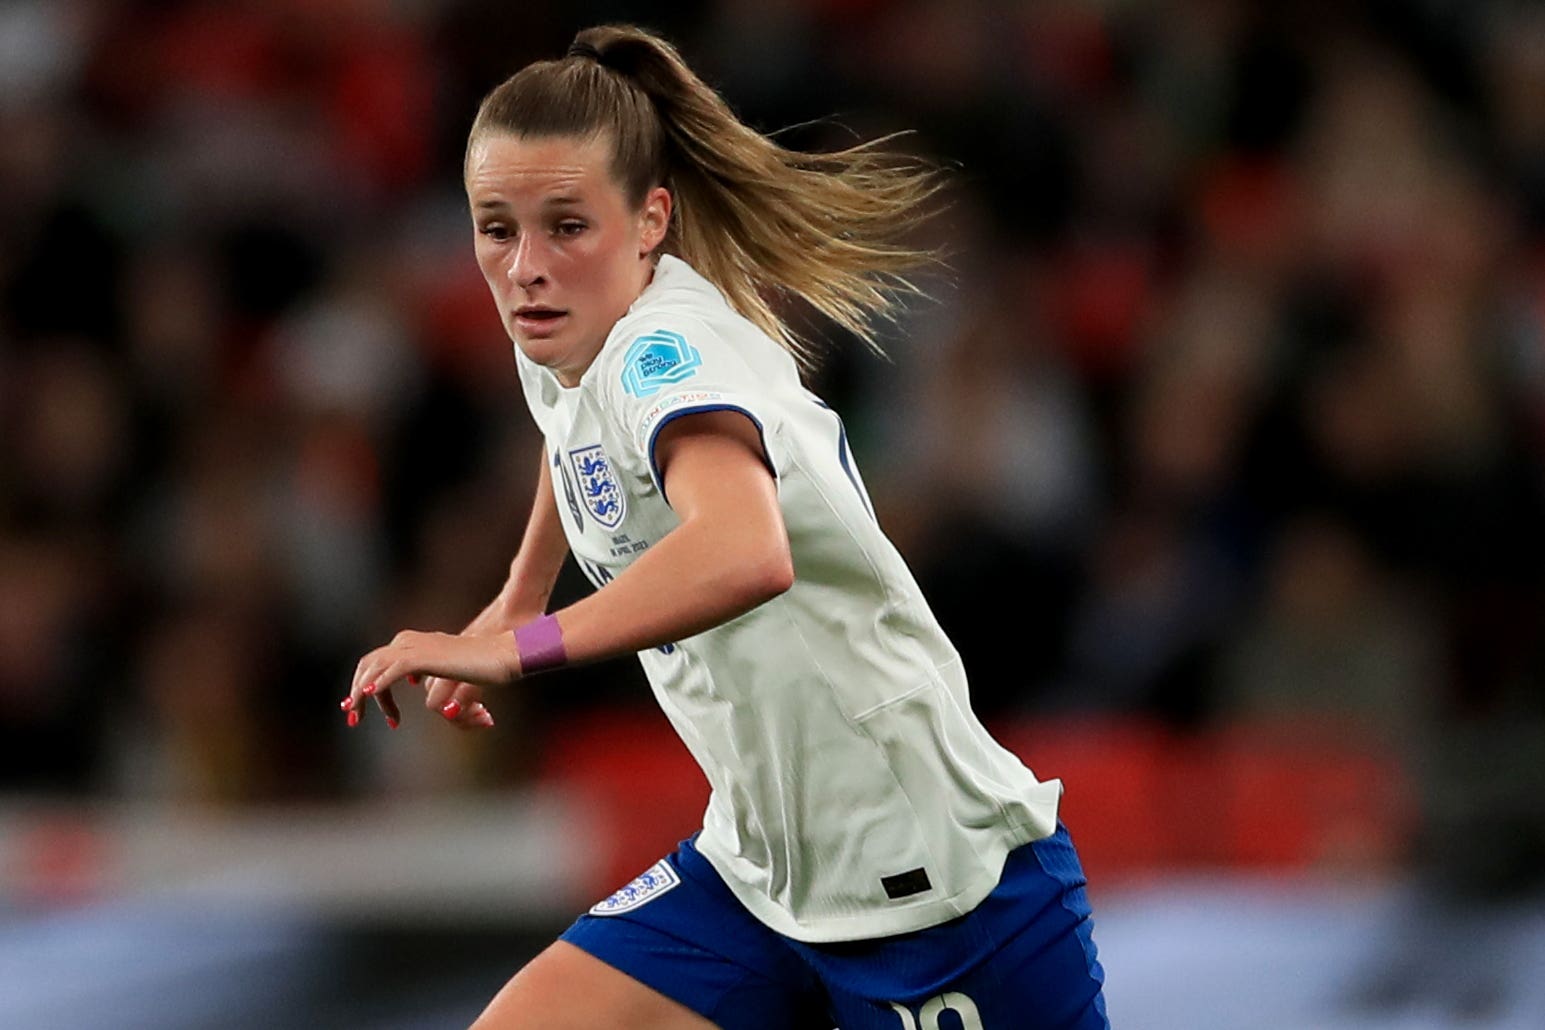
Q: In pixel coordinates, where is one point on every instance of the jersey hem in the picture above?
(888, 923)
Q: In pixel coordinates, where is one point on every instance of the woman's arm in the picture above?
(729, 554)
(536, 565)
(533, 572)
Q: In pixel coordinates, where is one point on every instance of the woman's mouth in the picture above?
(538, 321)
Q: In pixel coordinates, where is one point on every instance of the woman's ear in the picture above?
(654, 220)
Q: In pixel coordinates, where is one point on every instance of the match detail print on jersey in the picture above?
(653, 882)
(658, 359)
(598, 488)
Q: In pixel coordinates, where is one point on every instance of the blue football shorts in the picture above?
(1023, 959)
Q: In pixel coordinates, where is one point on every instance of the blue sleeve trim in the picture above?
(842, 457)
(654, 435)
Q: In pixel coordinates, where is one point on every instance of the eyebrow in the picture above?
(565, 200)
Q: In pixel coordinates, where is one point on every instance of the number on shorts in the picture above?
(928, 1017)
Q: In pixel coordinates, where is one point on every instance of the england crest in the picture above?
(598, 489)
(654, 881)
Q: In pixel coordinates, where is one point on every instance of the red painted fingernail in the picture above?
(413, 679)
(346, 703)
(391, 722)
(353, 718)
(451, 709)
(370, 688)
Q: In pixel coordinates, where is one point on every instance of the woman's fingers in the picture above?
(375, 676)
(440, 691)
(351, 704)
(462, 707)
(452, 692)
(388, 706)
(461, 699)
(468, 711)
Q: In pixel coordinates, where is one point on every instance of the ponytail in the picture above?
(754, 218)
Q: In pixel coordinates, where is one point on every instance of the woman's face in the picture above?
(563, 251)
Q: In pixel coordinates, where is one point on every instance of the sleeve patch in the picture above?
(658, 359)
(676, 400)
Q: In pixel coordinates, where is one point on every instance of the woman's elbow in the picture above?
(780, 575)
(770, 575)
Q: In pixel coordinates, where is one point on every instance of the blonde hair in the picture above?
(756, 219)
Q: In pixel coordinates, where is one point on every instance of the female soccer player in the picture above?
(869, 857)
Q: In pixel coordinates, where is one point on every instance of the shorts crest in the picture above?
(657, 359)
(653, 882)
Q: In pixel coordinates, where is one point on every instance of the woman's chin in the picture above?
(541, 350)
(559, 354)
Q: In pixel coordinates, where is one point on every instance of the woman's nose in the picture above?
(526, 267)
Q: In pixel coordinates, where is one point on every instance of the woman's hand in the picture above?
(459, 702)
(483, 660)
(524, 596)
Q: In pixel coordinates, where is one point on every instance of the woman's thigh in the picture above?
(674, 948)
(564, 988)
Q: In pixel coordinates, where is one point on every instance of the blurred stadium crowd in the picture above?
(1230, 405)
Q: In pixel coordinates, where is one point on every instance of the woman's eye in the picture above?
(570, 228)
(496, 232)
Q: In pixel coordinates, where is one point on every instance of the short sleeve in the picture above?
(682, 367)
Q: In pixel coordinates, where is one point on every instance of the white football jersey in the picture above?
(854, 792)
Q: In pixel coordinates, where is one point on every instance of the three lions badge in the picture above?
(597, 485)
(654, 881)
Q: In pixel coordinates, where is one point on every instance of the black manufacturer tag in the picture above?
(904, 885)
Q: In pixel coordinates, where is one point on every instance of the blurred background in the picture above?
(1219, 451)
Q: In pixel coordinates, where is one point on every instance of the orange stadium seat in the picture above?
(1116, 785)
(644, 788)
(1141, 799)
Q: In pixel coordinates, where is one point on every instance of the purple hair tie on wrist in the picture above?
(540, 644)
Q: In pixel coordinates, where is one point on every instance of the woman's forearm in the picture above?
(695, 578)
(730, 554)
(543, 550)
